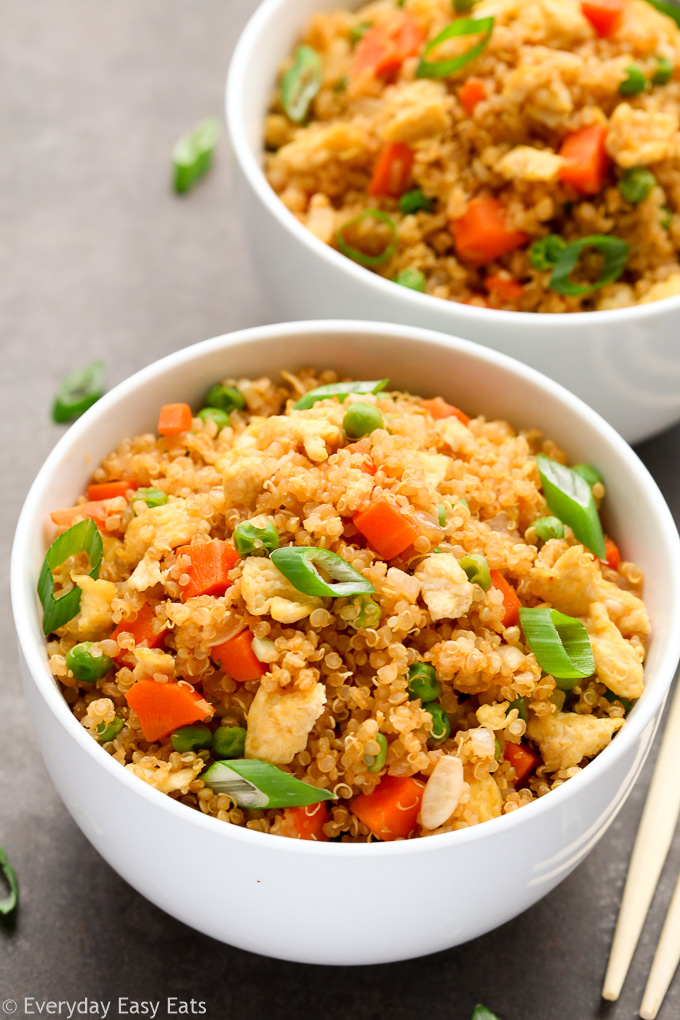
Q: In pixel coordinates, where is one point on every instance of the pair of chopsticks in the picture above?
(652, 844)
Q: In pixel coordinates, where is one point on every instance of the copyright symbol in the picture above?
(9, 1006)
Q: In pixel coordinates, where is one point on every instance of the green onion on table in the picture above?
(193, 153)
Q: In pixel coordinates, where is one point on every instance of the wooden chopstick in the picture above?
(652, 843)
(665, 962)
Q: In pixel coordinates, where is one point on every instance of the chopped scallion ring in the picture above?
(193, 154)
(570, 498)
(545, 252)
(8, 903)
(301, 83)
(614, 252)
(252, 783)
(79, 391)
(83, 537)
(477, 570)
(415, 201)
(299, 565)
(461, 27)
(548, 527)
(339, 390)
(359, 256)
(369, 614)
(560, 643)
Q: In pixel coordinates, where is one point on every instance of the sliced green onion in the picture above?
(637, 184)
(193, 154)
(375, 764)
(521, 705)
(110, 732)
(545, 252)
(263, 648)
(560, 643)
(482, 1013)
(614, 252)
(626, 703)
(357, 32)
(298, 564)
(301, 83)
(9, 902)
(670, 10)
(415, 201)
(441, 727)
(441, 515)
(83, 537)
(413, 279)
(250, 539)
(548, 527)
(664, 71)
(226, 398)
(477, 570)
(340, 390)
(634, 82)
(79, 391)
(590, 474)
(254, 784)
(462, 27)
(369, 614)
(359, 256)
(570, 498)
(152, 497)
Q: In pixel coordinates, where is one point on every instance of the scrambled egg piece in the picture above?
(616, 662)
(96, 614)
(640, 137)
(436, 467)
(157, 774)
(314, 430)
(266, 591)
(566, 738)
(163, 528)
(525, 163)
(279, 722)
(151, 661)
(541, 93)
(147, 573)
(445, 588)
(485, 801)
(416, 111)
(663, 289)
(315, 146)
(455, 435)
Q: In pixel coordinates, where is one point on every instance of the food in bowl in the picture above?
(329, 610)
(510, 155)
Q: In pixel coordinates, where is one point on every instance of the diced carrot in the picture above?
(237, 658)
(386, 528)
(503, 289)
(438, 408)
(94, 511)
(208, 571)
(391, 811)
(521, 758)
(306, 822)
(472, 92)
(392, 170)
(385, 47)
(109, 490)
(482, 235)
(162, 708)
(612, 554)
(510, 600)
(604, 15)
(142, 629)
(586, 159)
(173, 419)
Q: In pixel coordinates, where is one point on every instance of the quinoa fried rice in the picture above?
(334, 684)
(563, 104)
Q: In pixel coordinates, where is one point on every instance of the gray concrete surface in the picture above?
(97, 258)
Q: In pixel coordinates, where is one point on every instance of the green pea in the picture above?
(361, 419)
(369, 614)
(229, 742)
(591, 474)
(110, 732)
(477, 570)
(667, 218)
(377, 763)
(216, 414)
(191, 738)
(152, 497)
(340, 85)
(250, 539)
(463, 6)
(422, 682)
(497, 750)
(86, 664)
(413, 279)
(227, 398)
(357, 32)
(548, 527)
(637, 184)
(634, 82)
(441, 515)
(545, 252)
(441, 727)
(664, 71)
(521, 705)
(415, 201)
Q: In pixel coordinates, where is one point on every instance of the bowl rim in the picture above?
(24, 606)
(240, 72)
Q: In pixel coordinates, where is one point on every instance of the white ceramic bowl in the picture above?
(623, 363)
(310, 901)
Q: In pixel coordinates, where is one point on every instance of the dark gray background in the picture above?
(99, 259)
